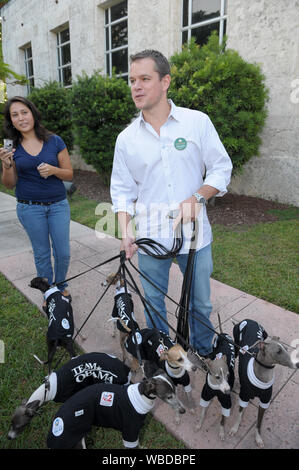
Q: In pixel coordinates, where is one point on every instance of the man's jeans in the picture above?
(42, 224)
(200, 306)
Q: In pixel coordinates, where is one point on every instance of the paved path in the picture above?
(281, 421)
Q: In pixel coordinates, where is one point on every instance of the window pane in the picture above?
(66, 76)
(119, 34)
(202, 34)
(64, 36)
(107, 39)
(28, 52)
(184, 37)
(203, 10)
(31, 82)
(65, 54)
(119, 10)
(108, 64)
(120, 61)
(185, 12)
(29, 68)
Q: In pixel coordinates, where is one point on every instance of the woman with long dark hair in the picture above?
(37, 166)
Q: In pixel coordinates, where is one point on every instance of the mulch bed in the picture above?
(228, 210)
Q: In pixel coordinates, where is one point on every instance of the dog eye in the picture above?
(217, 377)
(180, 359)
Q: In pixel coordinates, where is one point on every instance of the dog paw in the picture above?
(259, 441)
(197, 427)
(221, 435)
(233, 431)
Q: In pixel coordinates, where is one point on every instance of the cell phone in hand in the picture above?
(8, 144)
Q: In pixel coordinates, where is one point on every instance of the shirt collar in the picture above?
(173, 113)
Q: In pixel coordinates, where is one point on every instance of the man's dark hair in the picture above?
(161, 63)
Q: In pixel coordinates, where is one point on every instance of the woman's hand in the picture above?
(6, 157)
(46, 170)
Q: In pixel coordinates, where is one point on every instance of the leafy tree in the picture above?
(231, 91)
(102, 107)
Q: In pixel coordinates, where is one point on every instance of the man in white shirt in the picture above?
(168, 158)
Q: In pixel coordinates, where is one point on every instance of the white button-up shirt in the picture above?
(153, 173)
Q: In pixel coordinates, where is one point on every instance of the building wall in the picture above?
(38, 22)
(262, 31)
(267, 32)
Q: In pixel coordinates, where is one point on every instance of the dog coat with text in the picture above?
(245, 335)
(221, 347)
(104, 405)
(152, 343)
(123, 309)
(89, 369)
(60, 315)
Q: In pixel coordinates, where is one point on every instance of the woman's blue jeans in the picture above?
(200, 306)
(46, 226)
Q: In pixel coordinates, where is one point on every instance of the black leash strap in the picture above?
(183, 315)
(123, 273)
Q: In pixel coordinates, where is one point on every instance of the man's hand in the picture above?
(129, 246)
(188, 211)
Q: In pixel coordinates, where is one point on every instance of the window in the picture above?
(64, 58)
(116, 34)
(201, 17)
(29, 67)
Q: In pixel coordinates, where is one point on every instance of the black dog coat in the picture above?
(221, 346)
(152, 343)
(60, 315)
(123, 309)
(103, 405)
(89, 369)
(246, 334)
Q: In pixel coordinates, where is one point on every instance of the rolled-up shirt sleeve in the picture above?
(217, 162)
(123, 188)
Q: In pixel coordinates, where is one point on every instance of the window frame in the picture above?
(61, 66)
(109, 50)
(219, 19)
(26, 62)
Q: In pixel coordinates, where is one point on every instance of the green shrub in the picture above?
(227, 88)
(102, 107)
(54, 103)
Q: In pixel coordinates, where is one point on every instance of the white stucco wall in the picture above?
(37, 22)
(267, 32)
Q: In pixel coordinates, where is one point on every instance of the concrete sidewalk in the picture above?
(281, 421)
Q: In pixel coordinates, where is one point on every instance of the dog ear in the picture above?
(262, 345)
(275, 338)
(31, 408)
(164, 356)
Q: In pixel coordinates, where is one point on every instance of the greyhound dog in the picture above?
(154, 345)
(73, 376)
(61, 322)
(219, 379)
(123, 408)
(256, 370)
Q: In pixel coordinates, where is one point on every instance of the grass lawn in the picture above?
(261, 260)
(23, 329)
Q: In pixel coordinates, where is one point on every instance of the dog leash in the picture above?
(182, 323)
(137, 345)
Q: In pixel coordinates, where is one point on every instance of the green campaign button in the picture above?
(180, 143)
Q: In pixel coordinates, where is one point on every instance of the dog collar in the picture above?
(264, 365)
(50, 291)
